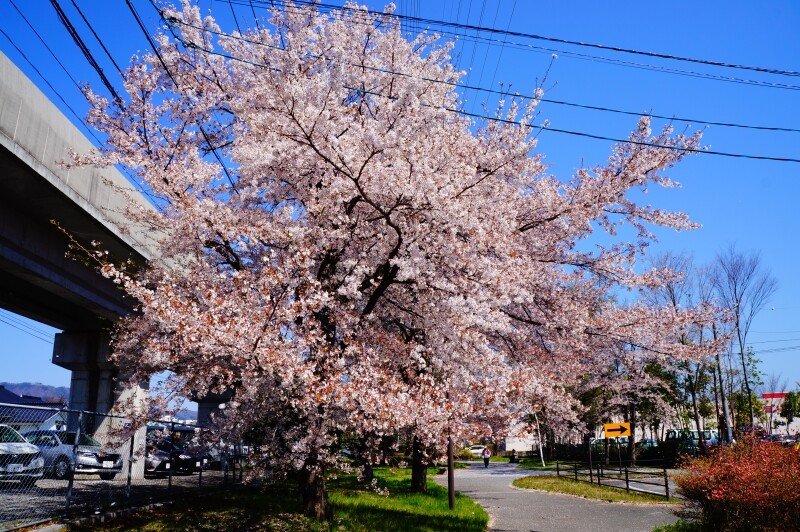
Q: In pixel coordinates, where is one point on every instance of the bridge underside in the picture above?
(37, 279)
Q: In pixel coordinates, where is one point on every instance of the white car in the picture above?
(19, 460)
(476, 450)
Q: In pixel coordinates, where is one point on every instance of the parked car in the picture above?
(647, 443)
(62, 459)
(182, 458)
(711, 437)
(157, 462)
(476, 450)
(781, 439)
(19, 460)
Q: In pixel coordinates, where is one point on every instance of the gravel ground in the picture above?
(513, 509)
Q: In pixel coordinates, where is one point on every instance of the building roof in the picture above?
(24, 415)
(774, 395)
(7, 396)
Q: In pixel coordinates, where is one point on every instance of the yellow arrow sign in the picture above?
(617, 430)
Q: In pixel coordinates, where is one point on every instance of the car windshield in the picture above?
(9, 435)
(707, 435)
(69, 439)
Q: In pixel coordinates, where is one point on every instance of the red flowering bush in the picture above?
(746, 486)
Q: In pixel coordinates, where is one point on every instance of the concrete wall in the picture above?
(38, 133)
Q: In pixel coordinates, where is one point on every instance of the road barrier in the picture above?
(58, 463)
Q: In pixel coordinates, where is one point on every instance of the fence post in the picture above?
(666, 483)
(627, 484)
(558, 471)
(241, 459)
(75, 457)
(130, 467)
(576, 471)
(171, 455)
(599, 473)
(591, 480)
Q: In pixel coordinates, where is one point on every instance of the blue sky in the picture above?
(749, 202)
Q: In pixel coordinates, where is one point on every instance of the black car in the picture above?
(182, 458)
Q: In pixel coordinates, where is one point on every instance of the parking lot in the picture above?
(20, 504)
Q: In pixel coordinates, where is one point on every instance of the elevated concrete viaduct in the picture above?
(37, 280)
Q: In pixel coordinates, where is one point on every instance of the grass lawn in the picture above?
(681, 526)
(584, 489)
(277, 507)
(535, 464)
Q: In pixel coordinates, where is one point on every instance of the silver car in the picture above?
(19, 460)
(62, 458)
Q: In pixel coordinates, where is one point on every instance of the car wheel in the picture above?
(62, 469)
(108, 476)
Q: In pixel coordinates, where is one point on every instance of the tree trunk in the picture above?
(313, 493)
(726, 416)
(419, 469)
(365, 457)
(752, 422)
(696, 410)
(631, 451)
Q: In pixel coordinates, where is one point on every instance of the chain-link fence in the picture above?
(60, 462)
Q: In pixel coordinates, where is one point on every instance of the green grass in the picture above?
(535, 464)
(360, 510)
(681, 526)
(584, 489)
(277, 507)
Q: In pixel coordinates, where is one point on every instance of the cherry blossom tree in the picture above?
(352, 255)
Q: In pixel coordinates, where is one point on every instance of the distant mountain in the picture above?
(61, 393)
(44, 391)
(185, 414)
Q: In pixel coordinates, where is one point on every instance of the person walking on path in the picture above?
(486, 455)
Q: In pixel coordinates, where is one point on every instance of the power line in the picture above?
(29, 324)
(580, 56)
(99, 40)
(779, 350)
(507, 93)
(177, 86)
(503, 44)
(83, 48)
(21, 14)
(514, 122)
(628, 141)
(52, 89)
(57, 93)
(775, 341)
(533, 36)
(29, 333)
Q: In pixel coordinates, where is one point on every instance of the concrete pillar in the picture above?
(93, 376)
(209, 404)
(96, 387)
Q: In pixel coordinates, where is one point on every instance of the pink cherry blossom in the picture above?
(369, 260)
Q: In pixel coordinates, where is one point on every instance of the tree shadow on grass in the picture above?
(382, 519)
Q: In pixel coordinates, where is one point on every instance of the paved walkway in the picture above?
(511, 509)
